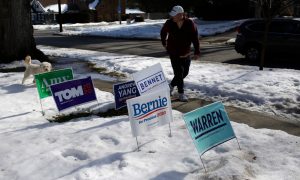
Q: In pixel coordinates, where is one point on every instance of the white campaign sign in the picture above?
(149, 111)
(150, 79)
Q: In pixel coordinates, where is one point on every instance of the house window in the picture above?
(297, 10)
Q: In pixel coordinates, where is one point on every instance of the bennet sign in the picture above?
(150, 79)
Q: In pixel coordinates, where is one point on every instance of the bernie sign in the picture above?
(124, 91)
(45, 80)
(209, 126)
(72, 93)
(150, 79)
(149, 111)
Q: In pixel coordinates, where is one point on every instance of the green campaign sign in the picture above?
(45, 80)
(209, 126)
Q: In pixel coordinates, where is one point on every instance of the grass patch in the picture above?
(104, 71)
(16, 69)
(68, 117)
(113, 112)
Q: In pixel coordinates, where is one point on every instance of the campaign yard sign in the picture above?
(151, 78)
(209, 126)
(124, 91)
(45, 80)
(73, 92)
(149, 111)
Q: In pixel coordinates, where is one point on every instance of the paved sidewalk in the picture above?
(254, 119)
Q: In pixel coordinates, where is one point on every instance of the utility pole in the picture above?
(119, 11)
(59, 16)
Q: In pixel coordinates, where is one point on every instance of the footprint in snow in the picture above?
(76, 154)
(110, 140)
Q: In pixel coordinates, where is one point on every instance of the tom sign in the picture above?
(72, 93)
(209, 126)
(45, 80)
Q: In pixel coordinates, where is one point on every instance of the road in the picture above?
(212, 49)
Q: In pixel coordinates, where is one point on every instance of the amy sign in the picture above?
(124, 91)
(72, 93)
(209, 126)
(45, 80)
(149, 111)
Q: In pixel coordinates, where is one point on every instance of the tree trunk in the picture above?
(16, 31)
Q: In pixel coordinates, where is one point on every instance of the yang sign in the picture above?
(124, 91)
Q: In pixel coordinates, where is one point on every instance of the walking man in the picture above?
(177, 35)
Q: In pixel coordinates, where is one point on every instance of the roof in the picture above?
(93, 4)
(37, 6)
(134, 11)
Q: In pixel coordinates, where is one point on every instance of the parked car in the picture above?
(283, 37)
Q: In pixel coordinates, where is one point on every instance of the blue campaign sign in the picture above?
(209, 126)
(124, 91)
(72, 93)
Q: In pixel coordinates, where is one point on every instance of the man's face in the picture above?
(178, 17)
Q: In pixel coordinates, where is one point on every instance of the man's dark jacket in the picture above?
(178, 41)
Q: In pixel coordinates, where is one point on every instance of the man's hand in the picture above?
(186, 55)
(196, 57)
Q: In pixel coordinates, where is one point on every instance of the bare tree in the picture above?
(268, 10)
(16, 31)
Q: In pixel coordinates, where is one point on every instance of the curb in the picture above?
(253, 119)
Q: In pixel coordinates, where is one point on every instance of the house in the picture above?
(45, 11)
(108, 10)
(82, 10)
(37, 12)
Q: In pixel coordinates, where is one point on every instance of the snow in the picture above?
(149, 29)
(94, 147)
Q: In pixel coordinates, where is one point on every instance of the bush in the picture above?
(78, 17)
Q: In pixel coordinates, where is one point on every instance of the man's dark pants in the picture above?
(181, 68)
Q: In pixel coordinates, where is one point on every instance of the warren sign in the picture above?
(72, 93)
(149, 111)
(209, 126)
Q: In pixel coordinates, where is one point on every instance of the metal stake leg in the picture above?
(137, 143)
(203, 164)
(238, 143)
(170, 135)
